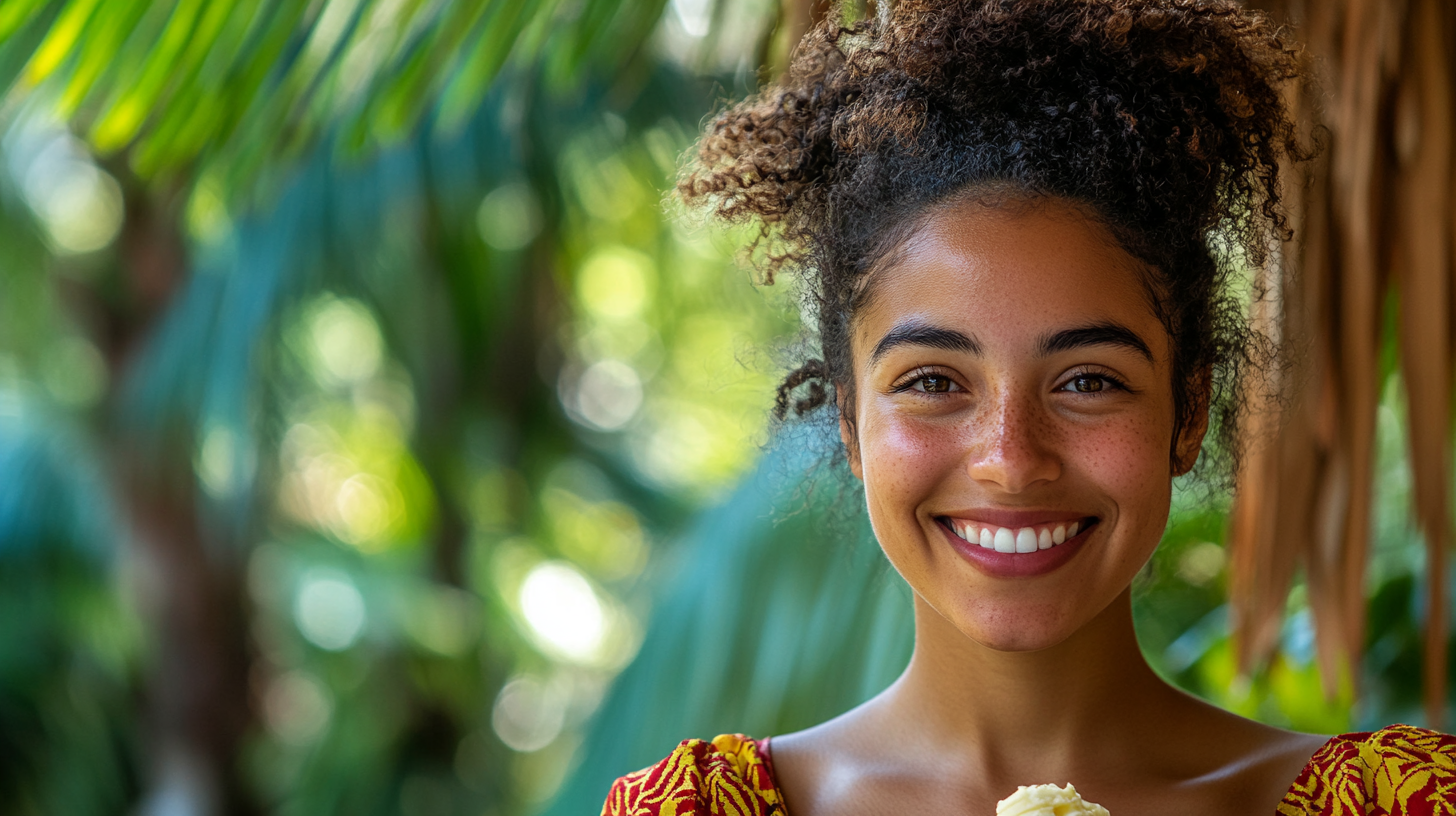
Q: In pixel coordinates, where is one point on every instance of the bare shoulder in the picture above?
(806, 761)
(1241, 761)
(837, 767)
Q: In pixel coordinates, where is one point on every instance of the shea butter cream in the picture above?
(1047, 800)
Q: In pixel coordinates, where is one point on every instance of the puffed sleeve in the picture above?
(1396, 771)
(728, 776)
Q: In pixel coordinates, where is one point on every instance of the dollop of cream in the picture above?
(1047, 800)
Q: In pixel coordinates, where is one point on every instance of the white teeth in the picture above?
(1007, 540)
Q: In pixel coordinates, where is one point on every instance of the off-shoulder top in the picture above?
(1396, 771)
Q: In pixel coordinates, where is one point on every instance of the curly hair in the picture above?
(1163, 119)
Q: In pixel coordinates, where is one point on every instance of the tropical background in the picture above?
(376, 437)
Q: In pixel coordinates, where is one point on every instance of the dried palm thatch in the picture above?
(1375, 221)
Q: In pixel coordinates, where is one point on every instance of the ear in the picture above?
(848, 436)
(1190, 439)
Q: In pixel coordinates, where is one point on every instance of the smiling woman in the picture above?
(1052, 413)
(1017, 221)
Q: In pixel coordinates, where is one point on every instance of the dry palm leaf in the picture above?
(1375, 219)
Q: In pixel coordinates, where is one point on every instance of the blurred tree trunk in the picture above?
(197, 696)
(190, 588)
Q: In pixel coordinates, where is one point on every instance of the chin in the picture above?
(1019, 641)
(1020, 629)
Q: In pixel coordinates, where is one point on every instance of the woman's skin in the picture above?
(1009, 371)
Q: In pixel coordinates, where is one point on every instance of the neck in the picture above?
(1010, 712)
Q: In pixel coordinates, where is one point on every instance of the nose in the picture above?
(1013, 444)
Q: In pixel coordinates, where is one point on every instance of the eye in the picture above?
(1092, 383)
(934, 384)
(927, 382)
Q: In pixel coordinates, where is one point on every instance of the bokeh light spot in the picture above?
(329, 610)
(528, 714)
(216, 462)
(350, 474)
(296, 707)
(345, 339)
(563, 611)
(367, 507)
(1201, 563)
(606, 396)
(615, 282)
(509, 217)
(79, 204)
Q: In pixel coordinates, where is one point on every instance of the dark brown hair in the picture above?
(1162, 118)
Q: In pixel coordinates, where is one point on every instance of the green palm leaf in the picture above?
(238, 84)
(782, 614)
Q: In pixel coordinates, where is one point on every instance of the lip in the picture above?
(1015, 518)
(1017, 565)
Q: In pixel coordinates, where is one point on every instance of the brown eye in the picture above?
(1087, 385)
(935, 385)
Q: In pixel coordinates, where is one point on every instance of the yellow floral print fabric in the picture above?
(1396, 771)
(728, 776)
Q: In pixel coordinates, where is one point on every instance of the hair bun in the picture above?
(1165, 118)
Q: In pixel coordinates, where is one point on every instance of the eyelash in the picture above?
(922, 374)
(1088, 374)
(919, 375)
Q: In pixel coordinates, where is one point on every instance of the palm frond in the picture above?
(237, 85)
(779, 612)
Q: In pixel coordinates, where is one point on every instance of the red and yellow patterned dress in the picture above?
(1396, 771)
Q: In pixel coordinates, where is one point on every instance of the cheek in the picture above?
(1126, 451)
(902, 461)
(1128, 460)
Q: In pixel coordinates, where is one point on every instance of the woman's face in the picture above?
(1013, 419)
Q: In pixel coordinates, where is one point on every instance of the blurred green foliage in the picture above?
(374, 440)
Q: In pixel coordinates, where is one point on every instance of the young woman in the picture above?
(1016, 220)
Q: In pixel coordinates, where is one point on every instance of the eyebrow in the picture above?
(1099, 334)
(920, 334)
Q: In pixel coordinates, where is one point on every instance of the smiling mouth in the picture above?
(1016, 539)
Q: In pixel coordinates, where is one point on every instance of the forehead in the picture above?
(1008, 271)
